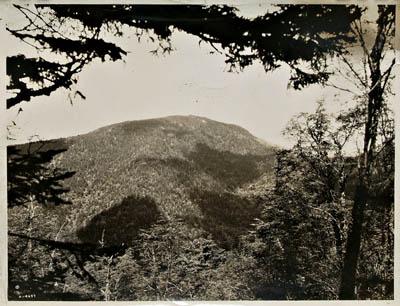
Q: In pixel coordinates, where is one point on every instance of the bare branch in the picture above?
(341, 88)
(351, 67)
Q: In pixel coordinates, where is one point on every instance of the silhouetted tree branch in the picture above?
(302, 36)
(30, 178)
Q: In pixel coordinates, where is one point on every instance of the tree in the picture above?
(31, 179)
(292, 35)
(169, 260)
(302, 229)
(375, 81)
(321, 149)
(299, 240)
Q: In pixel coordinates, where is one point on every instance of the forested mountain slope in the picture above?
(131, 174)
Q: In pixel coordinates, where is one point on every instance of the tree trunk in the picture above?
(348, 280)
(350, 261)
(338, 236)
(375, 102)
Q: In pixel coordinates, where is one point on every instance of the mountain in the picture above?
(131, 174)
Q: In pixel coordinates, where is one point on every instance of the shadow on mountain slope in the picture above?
(225, 215)
(231, 169)
(121, 223)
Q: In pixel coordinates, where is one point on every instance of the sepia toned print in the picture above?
(200, 152)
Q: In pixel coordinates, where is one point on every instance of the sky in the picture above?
(188, 81)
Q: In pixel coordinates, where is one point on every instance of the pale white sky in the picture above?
(187, 81)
